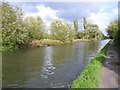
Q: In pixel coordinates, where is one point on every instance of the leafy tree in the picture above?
(112, 29)
(62, 31)
(13, 29)
(88, 26)
(48, 36)
(91, 31)
(80, 34)
(76, 26)
(91, 26)
(85, 23)
(114, 32)
(35, 27)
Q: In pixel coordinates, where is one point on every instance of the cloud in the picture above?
(46, 13)
(101, 13)
(77, 10)
(103, 19)
(96, 12)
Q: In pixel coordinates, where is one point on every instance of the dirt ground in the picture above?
(110, 76)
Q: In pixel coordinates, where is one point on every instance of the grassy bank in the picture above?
(90, 77)
(49, 42)
(39, 43)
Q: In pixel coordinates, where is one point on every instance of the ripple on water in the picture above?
(47, 71)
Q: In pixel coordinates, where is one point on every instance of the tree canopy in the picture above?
(114, 32)
(76, 25)
(91, 31)
(17, 29)
(35, 27)
(62, 31)
(13, 30)
(113, 29)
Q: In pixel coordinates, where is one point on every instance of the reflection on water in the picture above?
(45, 67)
(48, 68)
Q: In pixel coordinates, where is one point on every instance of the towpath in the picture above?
(110, 76)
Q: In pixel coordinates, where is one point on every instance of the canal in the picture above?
(48, 67)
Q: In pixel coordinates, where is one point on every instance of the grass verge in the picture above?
(90, 77)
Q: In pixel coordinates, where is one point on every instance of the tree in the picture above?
(85, 23)
(92, 26)
(62, 31)
(89, 25)
(13, 30)
(91, 31)
(114, 32)
(76, 26)
(35, 27)
(48, 36)
(112, 29)
(80, 34)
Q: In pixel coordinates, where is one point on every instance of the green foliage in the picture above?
(76, 25)
(35, 27)
(80, 34)
(113, 29)
(114, 33)
(62, 31)
(91, 31)
(13, 30)
(91, 26)
(90, 34)
(17, 30)
(48, 36)
(85, 23)
(90, 77)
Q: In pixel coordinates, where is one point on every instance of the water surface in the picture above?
(48, 67)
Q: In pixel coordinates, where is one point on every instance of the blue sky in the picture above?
(101, 13)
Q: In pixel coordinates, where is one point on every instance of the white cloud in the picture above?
(46, 13)
(103, 18)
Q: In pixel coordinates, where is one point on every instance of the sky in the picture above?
(101, 13)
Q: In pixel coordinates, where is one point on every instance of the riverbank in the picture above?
(44, 42)
(90, 77)
(49, 42)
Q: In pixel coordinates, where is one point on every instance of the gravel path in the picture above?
(110, 76)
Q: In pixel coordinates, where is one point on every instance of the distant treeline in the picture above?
(17, 30)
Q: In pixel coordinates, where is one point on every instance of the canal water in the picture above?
(48, 67)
